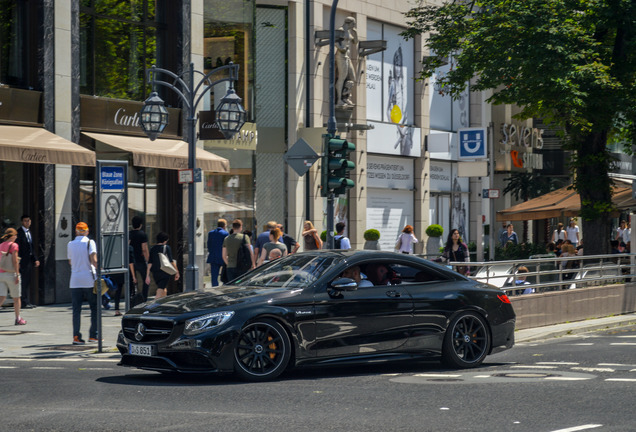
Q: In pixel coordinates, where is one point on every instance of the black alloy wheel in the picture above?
(466, 342)
(262, 351)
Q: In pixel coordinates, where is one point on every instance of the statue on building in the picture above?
(345, 70)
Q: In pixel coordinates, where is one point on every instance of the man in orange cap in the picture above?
(82, 256)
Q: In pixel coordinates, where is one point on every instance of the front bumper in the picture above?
(209, 352)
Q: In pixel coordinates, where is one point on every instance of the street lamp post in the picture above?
(331, 121)
(230, 117)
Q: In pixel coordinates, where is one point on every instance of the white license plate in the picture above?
(141, 350)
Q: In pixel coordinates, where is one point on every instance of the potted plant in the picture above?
(434, 242)
(371, 237)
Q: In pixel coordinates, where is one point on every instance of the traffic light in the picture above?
(335, 165)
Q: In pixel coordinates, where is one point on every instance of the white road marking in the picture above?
(47, 367)
(579, 428)
(437, 376)
(482, 376)
(616, 364)
(534, 367)
(558, 363)
(586, 369)
(582, 344)
(624, 343)
(8, 367)
(622, 379)
(566, 378)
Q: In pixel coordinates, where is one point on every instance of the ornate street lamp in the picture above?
(230, 116)
(154, 116)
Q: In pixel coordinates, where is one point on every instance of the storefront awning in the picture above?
(562, 202)
(37, 145)
(162, 153)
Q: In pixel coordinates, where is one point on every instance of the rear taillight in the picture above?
(504, 298)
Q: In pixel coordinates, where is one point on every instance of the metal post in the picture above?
(192, 271)
(331, 121)
(491, 179)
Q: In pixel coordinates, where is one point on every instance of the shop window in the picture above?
(19, 42)
(11, 194)
(118, 41)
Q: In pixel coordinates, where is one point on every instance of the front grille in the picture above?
(154, 329)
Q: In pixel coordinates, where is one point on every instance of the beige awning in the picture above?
(560, 203)
(161, 153)
(37, 145)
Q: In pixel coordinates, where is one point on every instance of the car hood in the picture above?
(222, 298)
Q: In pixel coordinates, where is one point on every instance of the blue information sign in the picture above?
(472, 143)
(112, 178)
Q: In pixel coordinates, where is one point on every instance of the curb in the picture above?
(560, 330)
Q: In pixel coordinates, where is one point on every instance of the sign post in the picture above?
(111, 196)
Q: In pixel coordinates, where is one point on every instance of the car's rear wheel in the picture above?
(262, 352)
(466, 342)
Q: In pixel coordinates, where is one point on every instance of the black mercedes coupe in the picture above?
(321, 308)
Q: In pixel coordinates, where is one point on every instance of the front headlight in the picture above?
(206, 322)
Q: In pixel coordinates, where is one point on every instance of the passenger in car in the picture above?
(378, 274)
(354, 273)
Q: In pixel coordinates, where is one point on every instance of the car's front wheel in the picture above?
(262, 351)
(466, 342)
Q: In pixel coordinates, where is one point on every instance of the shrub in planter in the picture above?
(372, 235)
(434, 230)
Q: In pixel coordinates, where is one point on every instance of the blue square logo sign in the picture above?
(472, 143)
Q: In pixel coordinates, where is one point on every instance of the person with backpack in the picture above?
(340, 241)
(237, 252)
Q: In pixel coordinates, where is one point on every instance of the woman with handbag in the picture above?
(10, 272)
(406, 240)
(456, 251)
(161, 265)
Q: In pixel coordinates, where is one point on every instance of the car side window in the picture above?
(415, 275)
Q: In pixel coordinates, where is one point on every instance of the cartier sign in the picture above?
(120, 116)
(33, 156)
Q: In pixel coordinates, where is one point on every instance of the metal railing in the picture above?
(551, 273)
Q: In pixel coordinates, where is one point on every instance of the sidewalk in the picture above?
(49, 332)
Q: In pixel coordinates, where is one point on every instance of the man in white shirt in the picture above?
(82, 256)
(340, 241)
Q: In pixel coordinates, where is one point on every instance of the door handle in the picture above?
(393, 293)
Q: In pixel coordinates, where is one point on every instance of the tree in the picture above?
(569, 62)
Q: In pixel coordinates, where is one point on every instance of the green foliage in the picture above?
(524, 186)
(372, 235)
(323, 235)
(434, 230)
(518, 251)
(570, 63)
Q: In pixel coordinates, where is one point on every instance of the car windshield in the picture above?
(294, 271)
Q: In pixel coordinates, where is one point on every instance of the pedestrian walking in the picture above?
(340, 240)
(559, 233)
(290, 242)
(138, 239)
(82, 256)
(405, 241)
(232, 244)
(572, 232)
(263, 238)
(28, 260)
(154, 265)
(456, 250)
(311, 239)
(10, 279)
(274, 243)
(510, 236)
(215, 250)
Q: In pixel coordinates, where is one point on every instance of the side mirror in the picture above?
(344, 284)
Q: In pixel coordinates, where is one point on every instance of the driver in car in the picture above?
(354, 273)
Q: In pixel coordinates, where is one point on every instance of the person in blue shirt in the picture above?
(509, 236)
(215, 247)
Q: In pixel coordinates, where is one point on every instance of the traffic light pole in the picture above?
(331, 121)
